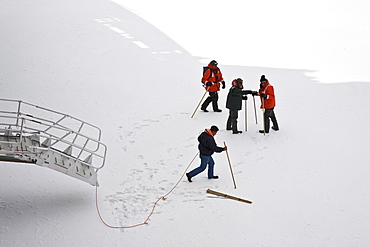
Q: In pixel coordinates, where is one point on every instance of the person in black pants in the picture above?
(234, 103)
(267, 95)
(212, 80)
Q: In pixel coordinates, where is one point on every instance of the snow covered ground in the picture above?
(97, 61)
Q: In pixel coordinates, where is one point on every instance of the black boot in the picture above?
(189, 178)
(205, 104)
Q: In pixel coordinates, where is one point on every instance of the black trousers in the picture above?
(270, 114)
(232, 121)
(213, 97)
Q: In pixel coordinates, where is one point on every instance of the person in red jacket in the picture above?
(212, 80)
(267, 95)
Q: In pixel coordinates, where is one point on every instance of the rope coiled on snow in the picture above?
(154, 206)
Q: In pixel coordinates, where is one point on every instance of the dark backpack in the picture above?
(205, 68)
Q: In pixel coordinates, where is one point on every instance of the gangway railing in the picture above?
(35, 134)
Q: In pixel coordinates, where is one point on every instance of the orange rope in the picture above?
(155, 204)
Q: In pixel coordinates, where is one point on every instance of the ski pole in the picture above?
(263, 116)
(245, 116)
(199, 104)
(231, 170)
(255, 112)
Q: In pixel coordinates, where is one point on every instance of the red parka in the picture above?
(268, 90)
(213, 75)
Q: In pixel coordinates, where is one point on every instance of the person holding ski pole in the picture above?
(267, 95)
(212, 80)
(234, 103)
(207, 146)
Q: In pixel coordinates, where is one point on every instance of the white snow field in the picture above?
(95, 60)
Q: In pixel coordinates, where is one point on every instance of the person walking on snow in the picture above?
(211, 80)
(207, 146)
(234, 103)
(267, 96)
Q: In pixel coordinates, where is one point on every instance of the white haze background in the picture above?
(330, 38)
(95, 60)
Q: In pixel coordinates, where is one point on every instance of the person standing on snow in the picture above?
(211, 80)
(267, 95)
(234, 103)
(207, 146)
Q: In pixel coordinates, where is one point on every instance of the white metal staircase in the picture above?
(36, 135)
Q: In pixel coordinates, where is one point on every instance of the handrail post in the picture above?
(21, 132)
(18, 112)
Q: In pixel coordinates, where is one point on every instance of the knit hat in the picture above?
(263, 78)
(237, 82)
(213, 63)
(214, 128)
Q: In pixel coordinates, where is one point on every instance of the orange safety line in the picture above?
(81, 175)
(60, 165)
(155, 204)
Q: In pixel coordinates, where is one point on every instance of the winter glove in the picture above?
(209, 84)
(245, 97)
(264, 96)
(223, 84)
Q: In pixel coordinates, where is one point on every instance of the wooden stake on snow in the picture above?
(263, 116)
(227, 196)
(255, 112)
(198, 104)
(245, 115)
(231, 170)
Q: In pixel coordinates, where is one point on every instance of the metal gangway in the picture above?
(36, 135)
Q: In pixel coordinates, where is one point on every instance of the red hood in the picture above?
(211, 67)
(267, 84)
(209, 132)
